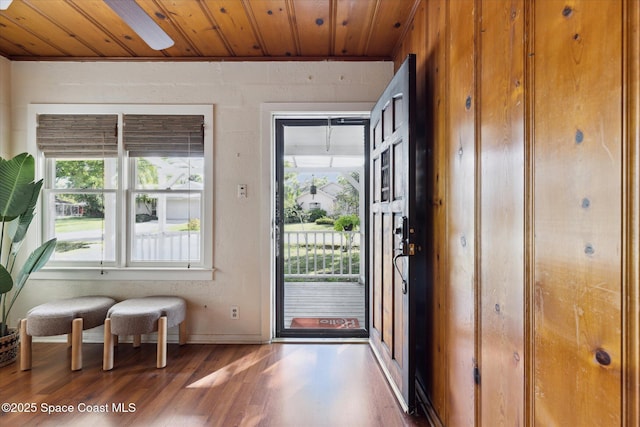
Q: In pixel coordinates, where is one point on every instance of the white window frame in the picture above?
(123, 270)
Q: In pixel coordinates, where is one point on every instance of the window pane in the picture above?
(175, 173)
(84, 224)
(85, 173)
(167, 227)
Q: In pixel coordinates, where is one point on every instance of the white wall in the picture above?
(5, 107)
(238, 91)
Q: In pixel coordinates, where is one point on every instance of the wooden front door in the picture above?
(393, 232)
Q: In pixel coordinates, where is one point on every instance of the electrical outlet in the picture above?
(235, 312)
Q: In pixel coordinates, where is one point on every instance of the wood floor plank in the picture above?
(280, 385)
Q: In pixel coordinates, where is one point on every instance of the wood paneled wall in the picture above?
(530, 243)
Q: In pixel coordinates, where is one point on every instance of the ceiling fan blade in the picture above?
(4, 4)
(141, 23)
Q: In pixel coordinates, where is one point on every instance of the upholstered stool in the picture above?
(66, 316)
(139, 316)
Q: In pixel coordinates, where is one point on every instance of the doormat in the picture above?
(325, 323)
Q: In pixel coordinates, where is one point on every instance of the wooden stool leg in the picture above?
(69, 340)
(76, 344)
(183, 332)
(161, 361)
(137, 339)
(107, 349)
(25, 347)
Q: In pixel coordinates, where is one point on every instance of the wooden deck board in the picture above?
(324, 299)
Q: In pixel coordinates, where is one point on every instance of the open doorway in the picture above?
(321, 216)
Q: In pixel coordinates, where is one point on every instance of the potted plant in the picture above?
(18, 196)
(345, 224)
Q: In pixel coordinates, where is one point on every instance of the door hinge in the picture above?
(476, 374)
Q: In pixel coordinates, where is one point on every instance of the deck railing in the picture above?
(167, 246)
(321, 254)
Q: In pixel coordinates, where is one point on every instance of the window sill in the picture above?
(142, 274)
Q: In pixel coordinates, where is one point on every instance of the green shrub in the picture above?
(295, 215)
(193, 224)
(325, 221)
(314, 214)
(145, 217)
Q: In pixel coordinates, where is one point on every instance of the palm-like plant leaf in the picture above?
(16, 186)
(18, 229)
(35, 262)
(6, 281)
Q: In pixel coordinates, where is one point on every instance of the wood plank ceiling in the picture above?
(208, 30)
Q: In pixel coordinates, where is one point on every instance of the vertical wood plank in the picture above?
(577, 121)
(501, 213)
(436, 79)
(460, 214)
(631, 302)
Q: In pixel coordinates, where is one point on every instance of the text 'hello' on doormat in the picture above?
(325, 323)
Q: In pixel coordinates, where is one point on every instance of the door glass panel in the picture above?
(385, 177)
(398, 172)
(321, 289)
(387, 121)
(377, 135)
(377, 188)
(398, 113)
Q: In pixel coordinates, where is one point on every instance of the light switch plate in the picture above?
(242, 191)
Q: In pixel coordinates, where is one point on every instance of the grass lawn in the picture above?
(66, 225)
(309, 226)
(300, 260)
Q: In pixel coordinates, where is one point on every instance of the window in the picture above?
(126, 190)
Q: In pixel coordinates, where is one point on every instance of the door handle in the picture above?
(405, 249)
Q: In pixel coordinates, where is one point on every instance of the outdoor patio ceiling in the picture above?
(324, 147)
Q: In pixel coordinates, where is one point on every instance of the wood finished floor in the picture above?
(282, 384)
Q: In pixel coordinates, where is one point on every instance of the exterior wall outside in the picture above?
(237, 91)
(326, 201)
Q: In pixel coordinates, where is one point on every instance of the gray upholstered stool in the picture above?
(139, 316)
(67, 316)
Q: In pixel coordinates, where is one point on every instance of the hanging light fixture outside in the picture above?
(313, 189)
